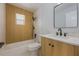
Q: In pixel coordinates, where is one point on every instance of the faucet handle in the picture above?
(65, 34)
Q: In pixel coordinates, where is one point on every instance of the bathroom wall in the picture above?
(45, 21)
(2, 22)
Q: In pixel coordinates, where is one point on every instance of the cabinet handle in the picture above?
(52, 45)
(49, 44)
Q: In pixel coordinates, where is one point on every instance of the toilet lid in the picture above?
(32, 45)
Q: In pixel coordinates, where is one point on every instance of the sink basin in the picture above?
(68, 39)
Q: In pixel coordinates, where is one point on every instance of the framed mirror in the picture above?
(66, 15)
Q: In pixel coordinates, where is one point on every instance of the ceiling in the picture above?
(32, 6)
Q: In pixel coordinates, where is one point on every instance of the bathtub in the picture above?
(16, 49)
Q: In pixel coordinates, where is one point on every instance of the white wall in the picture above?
(2, 22)
(44, 21)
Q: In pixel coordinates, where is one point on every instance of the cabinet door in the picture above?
(67, 50)
(76, 50)
(62, 49)
(46, 47)
(56, 48)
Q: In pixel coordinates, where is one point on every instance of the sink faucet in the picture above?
(59, 29)
(59, 32)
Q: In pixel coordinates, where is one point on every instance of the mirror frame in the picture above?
(54, 16)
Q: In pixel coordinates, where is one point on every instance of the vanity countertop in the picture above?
(69, 39)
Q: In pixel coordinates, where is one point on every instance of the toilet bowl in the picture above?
(33, 48)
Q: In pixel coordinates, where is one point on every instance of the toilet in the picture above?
(33, 48)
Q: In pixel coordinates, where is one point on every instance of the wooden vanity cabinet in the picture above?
(51, 47)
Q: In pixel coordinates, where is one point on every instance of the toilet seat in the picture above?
(33, 46)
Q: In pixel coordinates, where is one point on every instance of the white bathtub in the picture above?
(16, 49)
